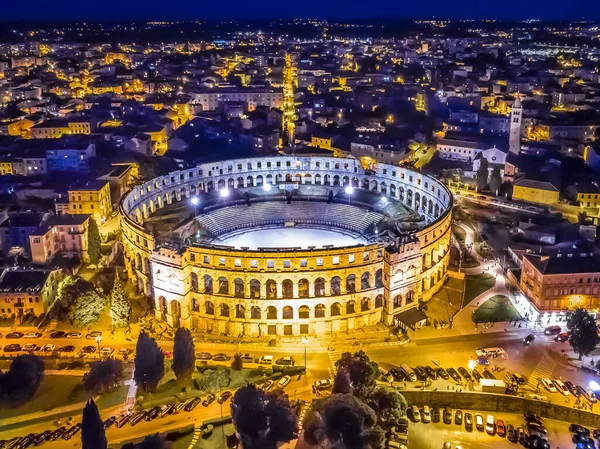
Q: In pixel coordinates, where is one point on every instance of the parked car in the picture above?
(562, 337)
(500, 428)
(74, 335)
(579, 429)
(534, 426)
(561, 387)
(31, 347)
(447, 415)
(73, 430)
(426, 414)
(167, 409)
(58, 433)
(476, 375)
(68, 348)
(511, 434)
(587, 394)
(192, 404)
(58, 334)
(441, 372)
(32, 335)
(415, 413)
(266, 360)
(14, 347)
(421, 373)
(88, 349)
(267, 385)
(136, 418)
(519, 379)
(122, 419)
(14, 335)
(109, 422)
(284, 381)
(93, 335)
(527, 340)
(152, 413)
(572, 388)
(220, 357)
(125, 351)
(532, 417)
(223, 397)
(436, 415)
(323, 384)
(41, 437)
(490, 425)
(208, 400)
(285, 361)
(48, 348)
(468, 422)
(479, 422)
(464, 373)
(488, 374)
(552, 330)
(453, 374)
(458, 418)
(549, 385)
(203, 356)
(107, 350)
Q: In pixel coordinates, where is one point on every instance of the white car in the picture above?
(284, 381)
(48, 348)
(426, 414)
(33, 335)
(416, 414)
(561, 387)
(107, 350)
(549, 385)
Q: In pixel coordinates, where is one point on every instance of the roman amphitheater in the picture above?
(287, 246)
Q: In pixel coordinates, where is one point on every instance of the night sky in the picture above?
(118, 10)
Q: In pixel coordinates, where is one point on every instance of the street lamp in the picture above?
(224, 193)
(267, 187)
(98, 340)
(349, 190)
(195, 201)
(471, 364)
(305, 342)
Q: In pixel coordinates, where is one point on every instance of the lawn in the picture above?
(496, 309)
(459, 233)
(59, 391)
(476, 285)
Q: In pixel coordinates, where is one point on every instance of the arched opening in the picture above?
(195, 305)
(138, 262)
(378, 301)
(320, 311)
(364, 305)
(194, 281)
(240, 182)
(208, 284)
(318, 179)
(365, 281)
(351, 284)
(287, 288)
(304, 312)
(224, 310)
(410, 297)
(259, 180)
(336, 180)
(238, 288)
(397, 302)
(223, 286)
(335, 309)
(288, 177)
(393, 190)
(175, 313)
(335, 286)
(326, 179)
(271, 289)
(162, 306)
(320, 287)
(221, 184)
(350, 307)
(303, 288)
(209, 308)
(365, 184)
(250, 181)
(401, 193)
(379, 278)
(255, 313)
(271, 313)
(254, 289)
(240, 311)
(287, 313)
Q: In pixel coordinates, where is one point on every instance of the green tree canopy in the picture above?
(237, 363)
(482, 174)
(92, 428)
(69, 289)
(389, 405)
(86, 310)
(584, 332)
(263, 419)
(495, 180)
(120, 306)
(214, 380)
(184, 361)
(103, 376)
(154, 442)
(94, 242)
(362, 372)
(21, 381)
(149, 363)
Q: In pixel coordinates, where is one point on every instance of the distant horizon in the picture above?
(148, 10)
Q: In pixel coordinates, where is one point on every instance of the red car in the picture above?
(500, 428)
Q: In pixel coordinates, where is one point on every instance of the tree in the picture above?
(94, 242)
(388, 405)
(495, 180)
(482, 174)
(149, 363)
(341, 382)
(263, 419)
(92, 428)
(584, 332)
(87, 309)
(184, 362)
(22, 380)
(103, 376)
(237, 363)
(214, 380)
(342, 421)
(120, 307)
(154, 442)
(69, 289)
(361, 372)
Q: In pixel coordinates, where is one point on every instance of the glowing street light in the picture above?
(471, 364)
(594, 386)
(384, 200)
(305, 342)
(267, 187)
(224, 193)
(195, 200)
(98, 340)
(349, 190)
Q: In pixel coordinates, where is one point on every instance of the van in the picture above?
(490, 425)
(409, 372)
(266, 360)
(248, 358)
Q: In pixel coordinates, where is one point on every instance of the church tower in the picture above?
(516, 115)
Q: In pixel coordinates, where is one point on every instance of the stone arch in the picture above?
(221, 184)
(409, 197)
(254, 288)
(303, 288)
(138, 261)
(271, 289)
(194, 281)
(326, 179)
(240, 311)
(393, 190)
(210, 186)
(364, 305)
(336, 309)
(346, 180)
(379, 278)
(250, 181)
(298, 178)
(195, 305)
(319, 287)
(259, 180)
(304, 312)
(365, 281)
(383, 188)
(351, 283)
(401, 194)
(162, 306)
(397, 301)
(238, 288)
(175, 313)
(271, 313)
(287, 289)
(287, 313)
(430, 207)
(288, 177)
(147, 265)
(240, 182)
(319, 311)
(374, 186)
(378, 301)
(318, 179)
(269, 179)
(335, 287)
(437, 210)
(224, 310)
(336, 180)
(350, 307)
(278, 178)
(209, 308)
(255, 313)
(208, 284)
(223, 286)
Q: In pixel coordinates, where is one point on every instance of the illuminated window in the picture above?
(270, 263)
(286, 264)
(254, 264)
(221, 261)
(238, 262)
(335, 260)
(351, 258)
(303, 263)
(319, 261)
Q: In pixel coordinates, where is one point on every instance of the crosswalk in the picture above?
(544, 368)
(334, 356)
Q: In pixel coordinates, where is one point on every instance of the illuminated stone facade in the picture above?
(293, 292)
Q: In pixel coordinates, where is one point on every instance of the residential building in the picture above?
(534, 191)
(91, 197)
(64, 234)
(56, 128)
(27, 291)
(73, 157)
(16, 229)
